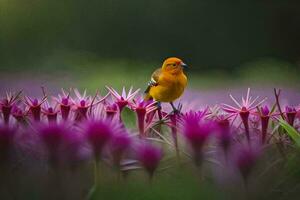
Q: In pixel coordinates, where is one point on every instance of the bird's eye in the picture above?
(174, 65)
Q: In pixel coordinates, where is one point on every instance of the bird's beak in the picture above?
(184, 66)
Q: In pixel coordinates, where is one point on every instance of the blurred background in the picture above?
(89, 44)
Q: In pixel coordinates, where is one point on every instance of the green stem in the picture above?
(96, 172)
(93, 190)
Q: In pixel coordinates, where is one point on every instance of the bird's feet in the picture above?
(158, 105)
(176, 110)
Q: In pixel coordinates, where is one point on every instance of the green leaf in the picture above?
(291, 131)
(129, 118)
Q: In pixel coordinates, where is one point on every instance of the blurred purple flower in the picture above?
(246, 159)
(62, 144)
(119, 145)
(197, 132)
(99, 132)
(224, 134)
(149, 156)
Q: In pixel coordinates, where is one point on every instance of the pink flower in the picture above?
(264, 114)
(7, 104)
(65, 103)
(50, 112)
(142, 108)
(112, 110)
(82, 103)
(123, 99)
(290, 113)
(19, 114)
(244, 109)
(35, 106)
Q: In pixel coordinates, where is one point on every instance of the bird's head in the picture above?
(173, 65)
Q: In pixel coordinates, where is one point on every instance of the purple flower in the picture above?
(149, 156)
(246, 159)
(119, 145)
(111, 110)
(224, 133)
(196, 132)
(35, 107)
(19, 114)
(50, 112)
(61, 142)
(142, 108)
(290, 113)
(7, 104)
(123, 99)
(265, 110)
(265, 115)
(99, 132)
(64, 103)
(82, 103)
(243, 109)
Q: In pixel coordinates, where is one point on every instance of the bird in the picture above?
(168, 82)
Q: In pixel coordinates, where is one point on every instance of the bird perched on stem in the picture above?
(168, 82)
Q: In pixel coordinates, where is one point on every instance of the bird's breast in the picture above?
(170, 88)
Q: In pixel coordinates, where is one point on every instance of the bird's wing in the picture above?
(154, 79)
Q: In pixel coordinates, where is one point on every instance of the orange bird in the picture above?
(168, 82)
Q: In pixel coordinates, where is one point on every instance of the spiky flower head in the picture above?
(61, 142)
(99, 132)
(34, 106)
(246, 105)
(124, 98)
(142, 108)
(81, 102)
(65, 103)
(243, 109)
(7, 104)
(112, 110)
(290, 113)
(50, 111)
(197, 131)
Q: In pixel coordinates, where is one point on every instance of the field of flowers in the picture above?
(119, 146)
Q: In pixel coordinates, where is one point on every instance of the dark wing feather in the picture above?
(154, 79)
